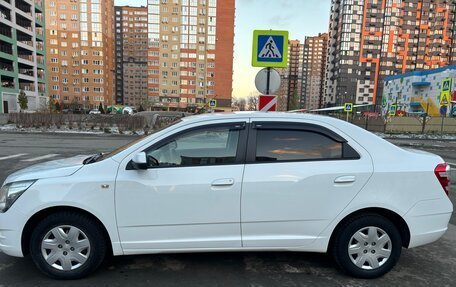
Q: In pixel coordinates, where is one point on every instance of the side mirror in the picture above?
(139, 161)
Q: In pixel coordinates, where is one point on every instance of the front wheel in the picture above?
(367, 247)
(67, 245)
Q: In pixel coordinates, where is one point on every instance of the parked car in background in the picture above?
(453, 112)
(94, 112)
(230, 182)
(129, 111)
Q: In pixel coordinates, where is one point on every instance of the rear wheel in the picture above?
(67, 245)
(367, 247)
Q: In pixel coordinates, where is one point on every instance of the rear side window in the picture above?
(296, 145)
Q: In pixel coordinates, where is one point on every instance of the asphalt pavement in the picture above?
(431, 265)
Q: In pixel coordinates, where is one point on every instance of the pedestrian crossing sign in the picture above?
(445, 95)
(270, 49)
(348, 107)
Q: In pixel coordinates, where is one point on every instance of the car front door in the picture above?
(298, 178)
(189, 197)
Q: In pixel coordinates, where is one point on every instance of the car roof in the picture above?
(253, 115)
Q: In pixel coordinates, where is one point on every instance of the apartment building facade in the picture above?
(22, 54)
(371, 39)
(313, 70)
(80, 52)
(291, 85)
(131, 56)
(190, 56)
(420, 92)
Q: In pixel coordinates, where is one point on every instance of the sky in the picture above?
(300, 17)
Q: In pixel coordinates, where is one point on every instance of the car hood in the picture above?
(50, 169)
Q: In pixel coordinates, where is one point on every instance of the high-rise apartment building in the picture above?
(370, 39)
(22, 54)
(131, 56)
(291, 85)
(314, 66)
(80, 52)
(282, 94)
(190, 52)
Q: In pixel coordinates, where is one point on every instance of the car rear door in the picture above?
(298, 177)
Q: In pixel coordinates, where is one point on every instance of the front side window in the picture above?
(209, 146)
(295, 145)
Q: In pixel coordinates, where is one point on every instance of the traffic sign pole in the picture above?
(270, 50)
(348, 107)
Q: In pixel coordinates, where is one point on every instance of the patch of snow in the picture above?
(417, 136)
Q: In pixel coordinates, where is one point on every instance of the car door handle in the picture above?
(345, 179)
(223, 182)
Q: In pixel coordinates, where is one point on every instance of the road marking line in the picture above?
(40, 157)
(13, 156)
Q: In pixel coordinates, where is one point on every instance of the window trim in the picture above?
(348, 152)
(240, 150)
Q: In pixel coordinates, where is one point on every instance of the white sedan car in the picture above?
(231, 182)
(95, 112)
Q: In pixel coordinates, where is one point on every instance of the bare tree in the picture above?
(294, 102)
(240, 103)
(253, 102)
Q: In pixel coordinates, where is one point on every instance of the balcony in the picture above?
(41, 74)
(40, 46)
(28, 87)
(5, 14)
(24, 7)
(39, 32)
(26, 57)
(39, 17)
(24, 22)
(6, 48)
(39, 3)
(6, 65)
(8, 82)
(27, 72)
(42, 88)
(28, 43)
(40, 59)
(5, 30)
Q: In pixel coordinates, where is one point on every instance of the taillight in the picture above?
(442, 171)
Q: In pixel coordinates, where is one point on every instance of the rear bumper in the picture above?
(11, 233)
(428, 221)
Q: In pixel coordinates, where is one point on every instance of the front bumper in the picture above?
(10, 233)
(428, 221)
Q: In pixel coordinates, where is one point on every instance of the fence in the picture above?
(414, 125)
(151, 121)
(146, 123)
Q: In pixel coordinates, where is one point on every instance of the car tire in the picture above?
(68, 245)
(367, 246)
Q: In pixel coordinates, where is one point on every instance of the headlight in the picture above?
(10, 192)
